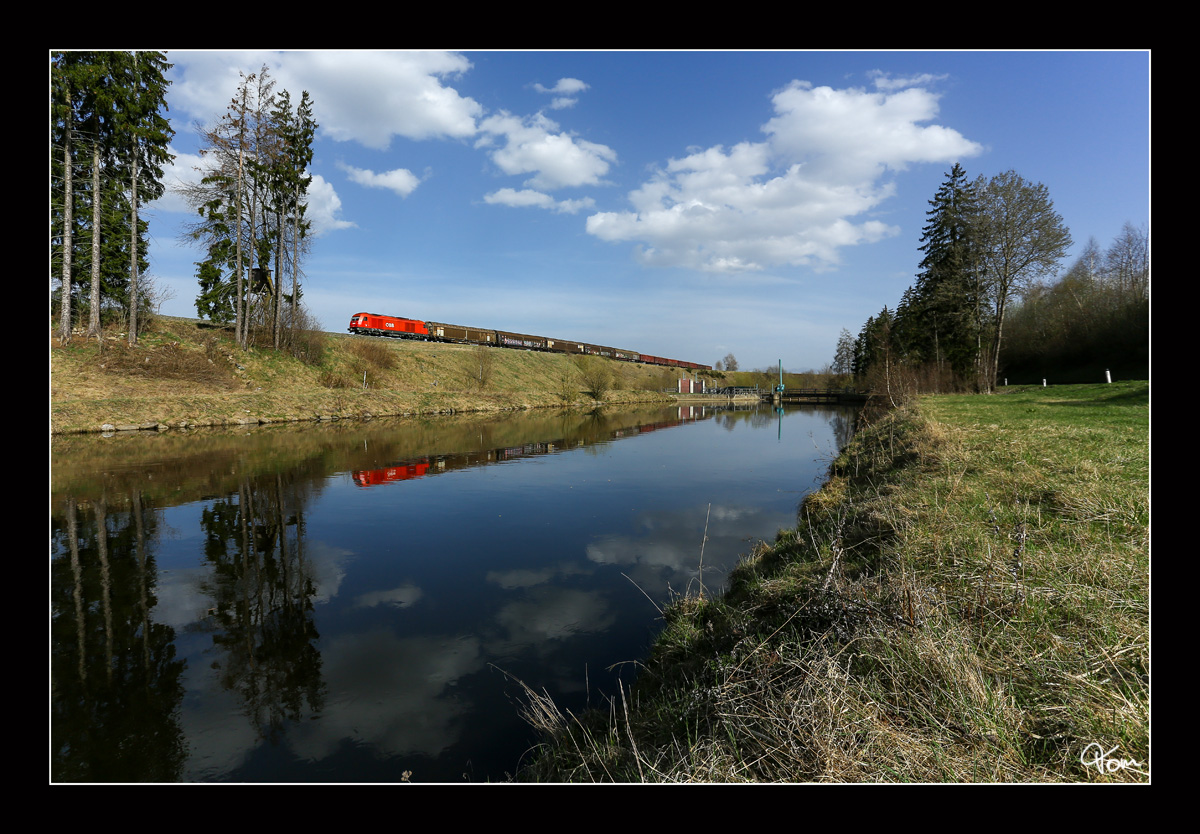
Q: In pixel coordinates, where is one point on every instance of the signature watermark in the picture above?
(1104, 761)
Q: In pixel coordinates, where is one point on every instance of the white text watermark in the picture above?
(1104, 761)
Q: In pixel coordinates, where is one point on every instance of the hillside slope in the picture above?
(186, 373)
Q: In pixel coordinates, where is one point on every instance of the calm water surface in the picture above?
(353, 603)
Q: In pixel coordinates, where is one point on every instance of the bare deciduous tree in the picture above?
(596, 374)
(1021, 238)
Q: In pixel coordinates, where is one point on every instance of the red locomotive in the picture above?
(376, 324)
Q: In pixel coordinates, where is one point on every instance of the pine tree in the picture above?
(300, 150)
(227, 200)
(948, 296)
(279, 174)
(290, 156)
(64, 86)
(107, 125)
(141, 137)
(97, 118)
(843, 359)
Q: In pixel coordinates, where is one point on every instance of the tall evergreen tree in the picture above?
(279, 174)
(98, 119)
(104, 115)
(292, 134)
(843, 358)
(300, 150)
(948, 295)
(143, 140)
(225, 201)
(64, 86)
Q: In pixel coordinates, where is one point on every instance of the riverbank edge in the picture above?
(370, 406)
(845, 651)
(188, 412)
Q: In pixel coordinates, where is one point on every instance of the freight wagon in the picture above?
(376, 324)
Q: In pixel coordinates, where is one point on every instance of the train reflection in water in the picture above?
(420, 467)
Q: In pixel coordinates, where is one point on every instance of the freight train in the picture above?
(376, 324)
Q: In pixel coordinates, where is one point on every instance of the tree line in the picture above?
(109, 142)
(985, 298)
(110, 139)
(1094, 318)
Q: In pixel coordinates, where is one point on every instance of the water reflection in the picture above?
(261, 589)
(116, 682)
(333, 604)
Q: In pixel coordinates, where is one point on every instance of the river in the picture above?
(357, 602)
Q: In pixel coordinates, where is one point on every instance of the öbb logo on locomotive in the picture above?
(377, 324)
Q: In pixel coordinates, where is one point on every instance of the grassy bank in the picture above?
(185, 374)
(967, 599)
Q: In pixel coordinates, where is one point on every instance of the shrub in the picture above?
(596, 374)
(332, 379)
(373, 354)
(479, 364)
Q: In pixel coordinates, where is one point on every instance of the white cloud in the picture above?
(401, 180)
(851, 135)
(528, 198)
(565, 86)
(565, 92)
(369, 97)
(203, 83)
(883, 81)
(324, 206)
(534, 145)
(792, 199)
(366, 97)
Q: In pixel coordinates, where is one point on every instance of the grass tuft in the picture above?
(966, 600)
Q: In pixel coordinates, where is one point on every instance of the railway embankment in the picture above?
(967, 599)
(183, 374)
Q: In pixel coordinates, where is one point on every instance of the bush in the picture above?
(479, 365)
(332, 379)
(596, 374)
(372, 353)
(568, 387)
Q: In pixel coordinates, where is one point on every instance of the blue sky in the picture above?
(683, 204)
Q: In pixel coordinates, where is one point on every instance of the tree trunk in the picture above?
(295, 254)
(240, 302)
(64, 322)
(133, 235)
(278, 293)
(94, 316)
(133, 258)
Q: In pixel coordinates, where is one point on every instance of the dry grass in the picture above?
(965, 601)
(183, 374)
